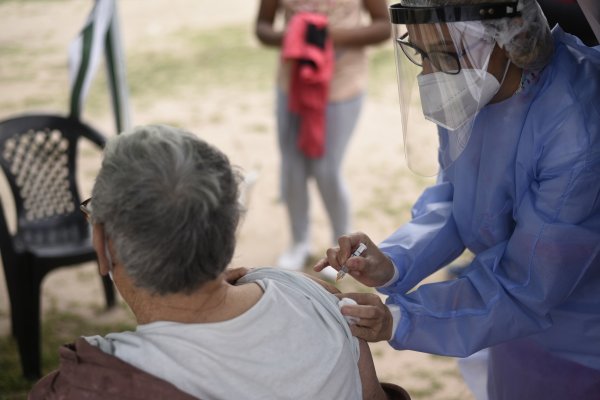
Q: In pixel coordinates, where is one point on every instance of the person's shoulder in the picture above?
(264, 275)
(575, 65)
(577, 51)
(564, 128)
(294, 280)
(566, 106)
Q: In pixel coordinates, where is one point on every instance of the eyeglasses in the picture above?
(441, 61)
(86, 208)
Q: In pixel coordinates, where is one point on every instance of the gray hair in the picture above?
(527, 39)
(169, 202)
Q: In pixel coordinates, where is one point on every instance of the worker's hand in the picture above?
(233, 274)
(372, 268)
(373, 318)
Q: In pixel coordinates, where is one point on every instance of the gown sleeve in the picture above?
(426, 243)
(511, 289)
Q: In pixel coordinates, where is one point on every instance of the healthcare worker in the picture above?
(514, 110)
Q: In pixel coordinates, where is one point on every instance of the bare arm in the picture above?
(376, 32)
(371, 386)
(264, 29)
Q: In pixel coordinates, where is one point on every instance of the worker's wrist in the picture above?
(394, 277)
(396, 313)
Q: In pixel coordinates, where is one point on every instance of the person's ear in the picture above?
(100, 246)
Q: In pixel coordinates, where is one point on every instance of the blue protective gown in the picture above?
(524, 197)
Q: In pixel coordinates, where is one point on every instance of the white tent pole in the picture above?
(117, 74)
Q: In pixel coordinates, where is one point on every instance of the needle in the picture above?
(359, 250)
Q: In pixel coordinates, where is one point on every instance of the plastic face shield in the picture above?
(442, 57)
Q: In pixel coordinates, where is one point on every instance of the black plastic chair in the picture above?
(38, 158)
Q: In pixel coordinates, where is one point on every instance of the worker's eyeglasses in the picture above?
(441, 61)
(86, 208)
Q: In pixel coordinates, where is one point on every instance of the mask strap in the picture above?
(505, 72)
(108, 258)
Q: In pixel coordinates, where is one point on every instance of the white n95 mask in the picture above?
(450, 101)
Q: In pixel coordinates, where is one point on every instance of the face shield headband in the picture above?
(442, 59)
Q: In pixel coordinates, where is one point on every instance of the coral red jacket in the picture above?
(308, 46)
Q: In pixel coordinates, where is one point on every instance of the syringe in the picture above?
(359, 250)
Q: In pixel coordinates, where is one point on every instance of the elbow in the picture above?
(380, 30)
(384, 30)
(266, 36)
(258, 33)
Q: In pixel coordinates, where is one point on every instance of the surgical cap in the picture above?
(527, 39)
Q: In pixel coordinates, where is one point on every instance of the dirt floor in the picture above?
(197, 65)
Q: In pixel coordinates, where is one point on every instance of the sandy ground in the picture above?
(239, 122)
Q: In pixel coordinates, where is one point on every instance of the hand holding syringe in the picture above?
(359, 250)
(373, 268)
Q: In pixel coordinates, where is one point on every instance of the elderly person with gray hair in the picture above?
(164, 211)
(513, 112)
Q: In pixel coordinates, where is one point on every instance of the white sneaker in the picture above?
(294, 258)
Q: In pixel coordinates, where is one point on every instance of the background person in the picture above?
(165, 209)
(348, 35)
(516, 113)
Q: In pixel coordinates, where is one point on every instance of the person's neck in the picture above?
(510, 85)
(214, 301)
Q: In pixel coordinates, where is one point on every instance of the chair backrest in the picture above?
(38, 157)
